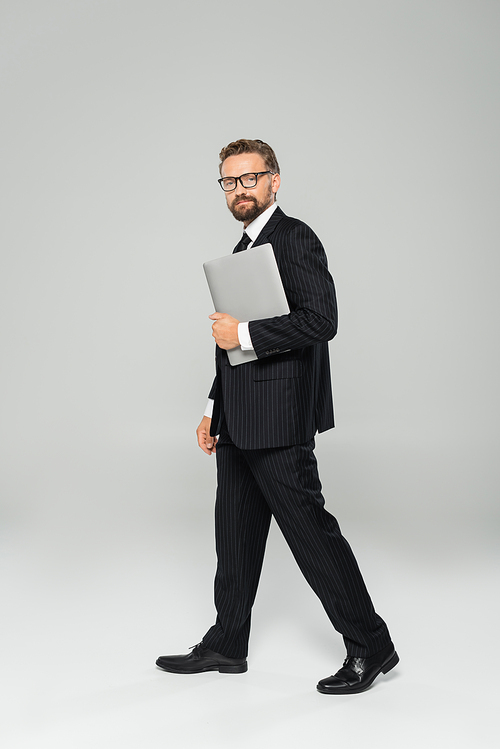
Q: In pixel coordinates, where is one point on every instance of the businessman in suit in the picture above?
(261, 421)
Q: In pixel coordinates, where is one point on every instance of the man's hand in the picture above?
(225, 330)
(205, 441)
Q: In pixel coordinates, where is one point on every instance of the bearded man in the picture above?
(266, 414)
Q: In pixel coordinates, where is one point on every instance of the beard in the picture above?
(249, 211)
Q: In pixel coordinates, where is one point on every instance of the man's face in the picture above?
(247, 203)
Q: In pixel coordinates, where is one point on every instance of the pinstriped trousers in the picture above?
(253, 486)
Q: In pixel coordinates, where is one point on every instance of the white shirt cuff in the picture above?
(244, 337)
(209, 409)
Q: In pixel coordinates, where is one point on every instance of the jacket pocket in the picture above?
(277, 370)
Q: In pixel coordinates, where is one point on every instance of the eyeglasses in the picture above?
(247, 181)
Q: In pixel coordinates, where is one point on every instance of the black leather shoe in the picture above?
(357, 674)
(201, 659)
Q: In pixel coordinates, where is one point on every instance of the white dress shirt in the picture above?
(253, 230)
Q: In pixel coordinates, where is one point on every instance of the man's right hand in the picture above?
(205, 440)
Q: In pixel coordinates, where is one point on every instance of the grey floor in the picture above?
(103, 571)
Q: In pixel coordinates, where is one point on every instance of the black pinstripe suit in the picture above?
(267, 413)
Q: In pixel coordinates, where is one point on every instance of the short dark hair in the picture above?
(243, 145)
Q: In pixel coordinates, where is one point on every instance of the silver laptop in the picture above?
(247, 285)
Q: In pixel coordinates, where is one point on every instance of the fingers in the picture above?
(225, 330)
(205, 440)
(202, 442)
(208, 446)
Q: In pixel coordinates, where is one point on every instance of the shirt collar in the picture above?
(254, 229)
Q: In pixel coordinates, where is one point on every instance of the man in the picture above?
(266, 413)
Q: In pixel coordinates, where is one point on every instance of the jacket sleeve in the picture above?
(310, 292)
(213, 389)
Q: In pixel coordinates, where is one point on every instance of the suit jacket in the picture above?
(284, 397)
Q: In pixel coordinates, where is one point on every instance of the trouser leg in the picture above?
(242, 519)
(289, 480)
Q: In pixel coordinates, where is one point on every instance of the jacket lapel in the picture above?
(268, 229)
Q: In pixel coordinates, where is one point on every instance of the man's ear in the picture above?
(275, 183)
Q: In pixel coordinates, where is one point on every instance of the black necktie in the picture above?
(243, 243)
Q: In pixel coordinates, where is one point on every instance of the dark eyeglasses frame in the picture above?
(238, 179)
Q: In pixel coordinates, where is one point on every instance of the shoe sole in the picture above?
(393, 661)
(239, 669)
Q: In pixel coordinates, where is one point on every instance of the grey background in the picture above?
(385, 119)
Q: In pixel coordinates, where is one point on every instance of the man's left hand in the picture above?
(225, 330)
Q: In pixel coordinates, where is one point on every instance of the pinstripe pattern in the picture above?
(267, 413)
(253, 485)
(285, 397)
